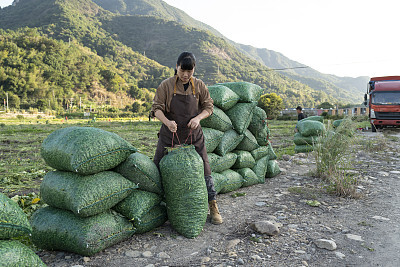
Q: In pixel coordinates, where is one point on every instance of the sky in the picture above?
(341, 37)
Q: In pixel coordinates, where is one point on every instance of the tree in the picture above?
(325, 105)
(272, 104)
(13, 100)
(136, 107)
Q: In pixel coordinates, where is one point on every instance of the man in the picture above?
(300, 114)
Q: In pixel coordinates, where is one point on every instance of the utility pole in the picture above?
(7, 101)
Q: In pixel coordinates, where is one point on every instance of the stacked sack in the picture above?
(14, 224)
(90, 201)
(236, 137)
(309, 131)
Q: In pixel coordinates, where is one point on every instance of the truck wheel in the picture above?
(373, 128)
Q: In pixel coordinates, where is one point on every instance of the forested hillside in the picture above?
(345, 89)
(95, 50)
(41, 72)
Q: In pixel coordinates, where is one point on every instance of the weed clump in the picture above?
(334, 156)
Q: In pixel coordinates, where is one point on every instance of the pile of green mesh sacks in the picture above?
(309, 132)
(101, 192)
(14, 224)
(237, 137)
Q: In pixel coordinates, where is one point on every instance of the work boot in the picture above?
(214, 212)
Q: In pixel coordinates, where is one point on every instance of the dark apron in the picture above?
(182, 109)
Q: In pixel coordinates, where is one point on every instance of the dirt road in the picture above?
(354, 232)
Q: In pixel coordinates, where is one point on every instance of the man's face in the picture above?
(184, 75)
(298, 111)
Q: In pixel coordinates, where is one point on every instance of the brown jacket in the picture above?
(165, 92)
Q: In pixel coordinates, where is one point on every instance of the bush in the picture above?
(334, 156)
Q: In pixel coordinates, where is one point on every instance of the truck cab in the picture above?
(384, 102)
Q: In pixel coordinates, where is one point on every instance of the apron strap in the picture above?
(191, 81)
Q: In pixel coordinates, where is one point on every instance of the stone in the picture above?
(261, 203)
(256, 258)
(240, 261)
(325, 243)
(147, 254)
(232, 243)
(354, 237)
(340, 255)
(163, 255)
(205, 259)
(86, 259)
(265, 227)
(133, 253)
(380, 218)
(383, 173)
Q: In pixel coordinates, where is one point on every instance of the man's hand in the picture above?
(193, 123)
(172, 126)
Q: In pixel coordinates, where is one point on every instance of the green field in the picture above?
(22, 168)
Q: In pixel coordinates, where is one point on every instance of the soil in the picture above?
(365, 231)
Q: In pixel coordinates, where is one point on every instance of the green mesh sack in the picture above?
(233, 182)
(305, 140)
(229, 142)
(85, 150)
(84, 195)
(248, 92)
(141, 170)
(273, 169)
(212, 138)
(303, 148)
(336, 123)
(259, 127)
(219, 181)
(244, 160)
(271, 152)
(310, 127)
(260, 152)
(137, 204)
(218, 121)
(15, 254)
(186, 196)
(249, 177)
(260, 169)
(13, 220)
(56, 229)
(241, 115)
(248, 143)
(219, 164)
(154, 218)
(223, 97)
(314, 118)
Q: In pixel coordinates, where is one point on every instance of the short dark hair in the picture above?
(186, 60)
(299, 108)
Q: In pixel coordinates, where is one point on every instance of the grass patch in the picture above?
(334, 157)
(307, 192)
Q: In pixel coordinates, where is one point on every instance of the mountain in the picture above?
(345, 89)
(142, 48)
(300, 72)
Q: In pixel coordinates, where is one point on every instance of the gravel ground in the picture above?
(276, 224)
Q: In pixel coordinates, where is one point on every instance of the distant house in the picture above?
(354, 111)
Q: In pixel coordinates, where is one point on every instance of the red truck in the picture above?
(384, 102)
